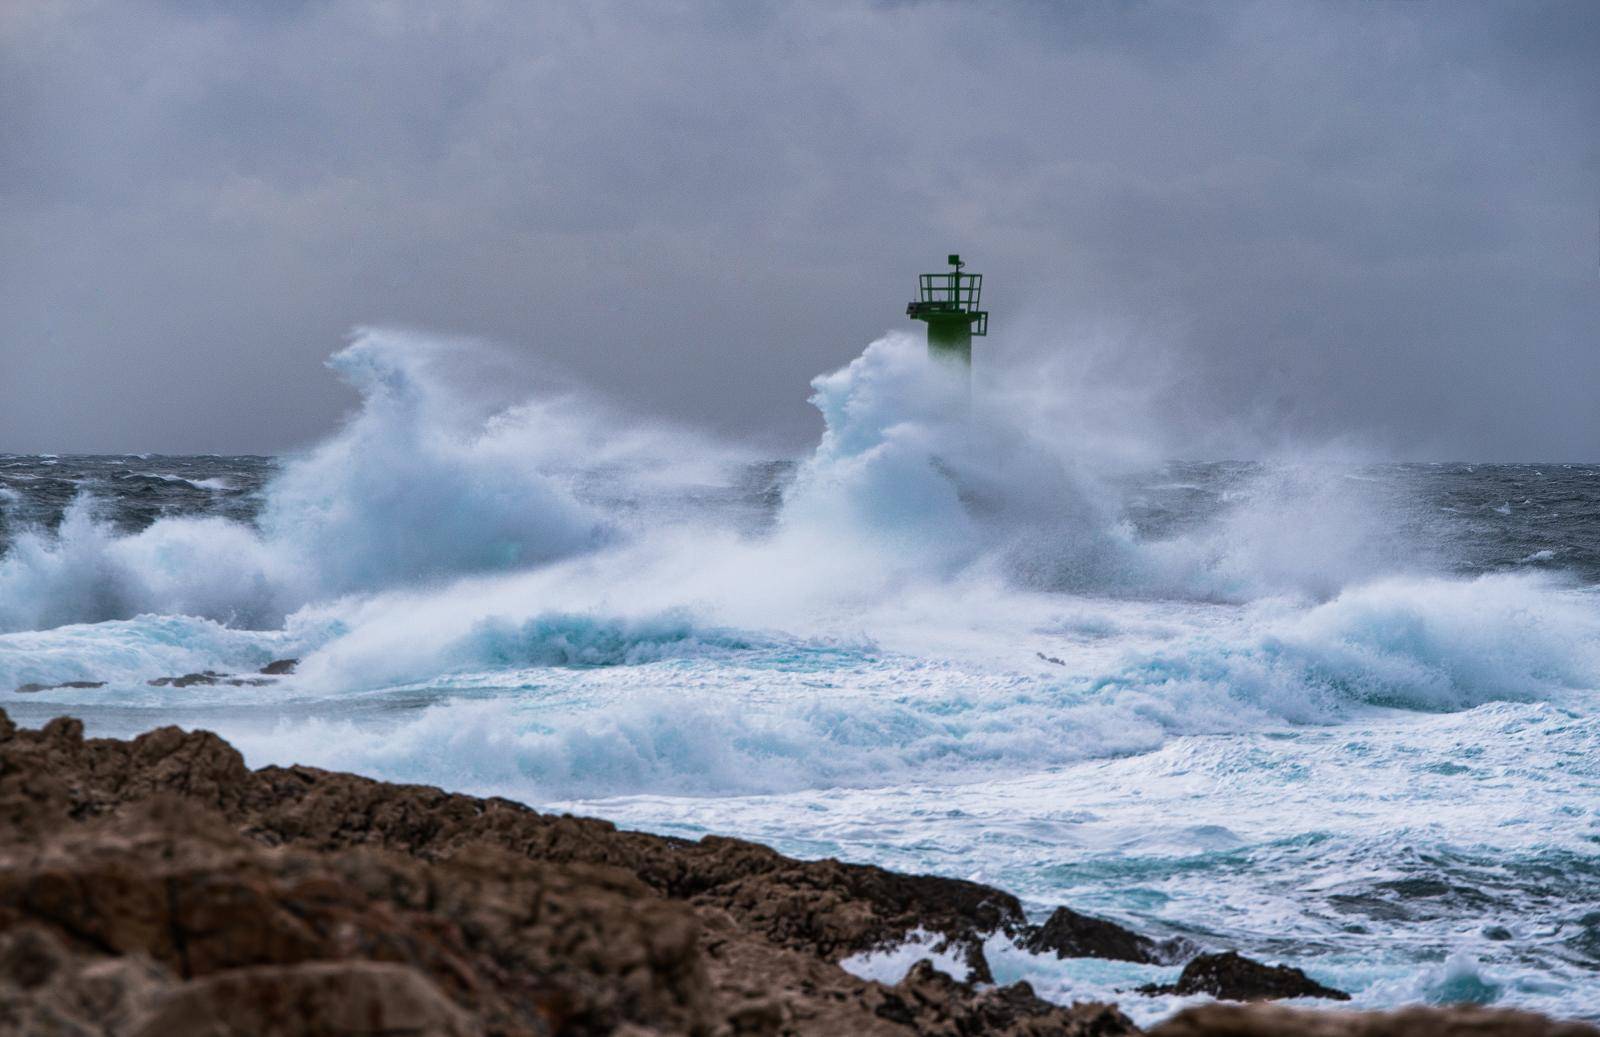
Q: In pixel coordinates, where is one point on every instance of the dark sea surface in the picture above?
(1477, 518)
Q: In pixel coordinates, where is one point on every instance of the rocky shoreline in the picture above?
(158, 886)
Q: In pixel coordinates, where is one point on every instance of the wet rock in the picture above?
(1069, 934)
(840, 909)
(33, 689)
(933, 1002)
(1223, 1020)
(188, 680)
(208, 678)
(1233, 977)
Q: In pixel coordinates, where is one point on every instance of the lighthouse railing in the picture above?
(952, 291)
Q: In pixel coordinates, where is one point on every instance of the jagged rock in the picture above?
(1072, 935)
(935, 1003)
(46, 988)
(1224, 1020)
(840, 909)
(30, 956)
(279, 667)
(347, 999)
(159, 886)
(1236, 978)
(167, 850)
(520, 945)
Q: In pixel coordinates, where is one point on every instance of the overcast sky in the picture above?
(1369, 219)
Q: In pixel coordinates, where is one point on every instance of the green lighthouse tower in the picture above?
(949, 303)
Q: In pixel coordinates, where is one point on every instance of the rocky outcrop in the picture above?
(1234, 977)
(1068, 934)
(931, 1002)
(358, 999)
(518, 945)
(159, 886)
(824, 908)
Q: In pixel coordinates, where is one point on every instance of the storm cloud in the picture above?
(1371, 221)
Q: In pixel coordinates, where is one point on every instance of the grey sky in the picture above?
(1369, 219)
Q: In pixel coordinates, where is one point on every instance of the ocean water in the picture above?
(1333, 714)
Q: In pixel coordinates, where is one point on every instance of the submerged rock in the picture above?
(208, 678)
(30, 689)
(1234, 977)
(205, 678)
(188, 680)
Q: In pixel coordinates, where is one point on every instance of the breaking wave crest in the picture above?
(717, 712)
(416, 487)
(911, 481)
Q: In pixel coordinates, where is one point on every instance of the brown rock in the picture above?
(1220, 1020)
(321, 999)
(160, 884)
(67, 730)
(938, 1004)
(30, 956)
(521, 945)
(46, 989)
